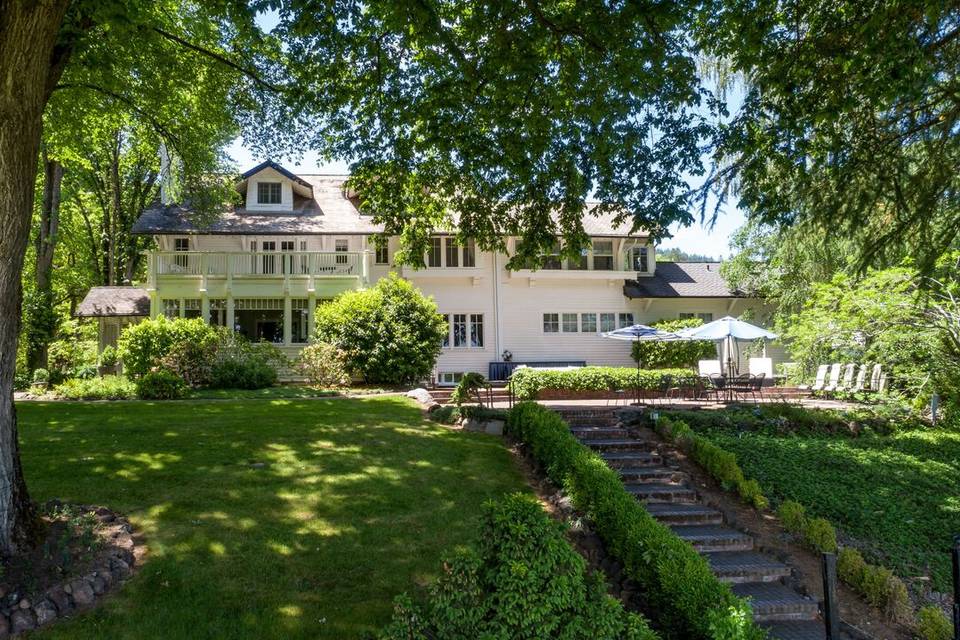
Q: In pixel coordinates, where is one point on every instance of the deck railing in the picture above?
(279, 264)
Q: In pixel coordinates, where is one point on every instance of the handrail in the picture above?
(260, 263)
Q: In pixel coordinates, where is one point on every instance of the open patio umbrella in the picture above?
(726, 329)
(639, 333)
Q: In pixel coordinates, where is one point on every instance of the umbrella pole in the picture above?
(638, 370)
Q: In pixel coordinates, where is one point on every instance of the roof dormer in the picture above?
(269, 187)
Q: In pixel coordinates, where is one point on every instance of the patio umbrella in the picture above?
(726, 329)
(638, 333)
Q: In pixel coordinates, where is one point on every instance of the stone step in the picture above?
(746, 566)
(772, 601)
(585, 432)
(795, 630)
(619, 444)
(623, 459)
(661, 492)
(677, 514)
(711, 537)
(651, 474)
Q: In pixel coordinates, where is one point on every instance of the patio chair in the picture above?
(831, 386)
(756, 386)
(861, 382)
(761, 366)
(708, 367)
(821, 380)
(718, 385)
(665, 388)
(846, 382)
(875, 376)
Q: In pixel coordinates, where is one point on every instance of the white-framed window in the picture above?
(268, 193)
(464, 330)
(551, 323)
(299, 320)
(268, 264)
(588, 323)
(382, 254)
(171, 307)
(435, 253)
(608, 322)
(603, 255)
(470, 254)
(181, 244)
(639, 259)
(341, 245)
(624, 320)
(452, 252)
(706, 317)
(449, 378)
(552, 260)
(569, 322)
(191, 308)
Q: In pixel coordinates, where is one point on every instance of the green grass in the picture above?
(898, 496)
(279, 391)
(358, 500)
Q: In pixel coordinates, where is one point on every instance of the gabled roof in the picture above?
(270, 164)
(682, 280)
(102, 302)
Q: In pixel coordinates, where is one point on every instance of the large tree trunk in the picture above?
(30, 66)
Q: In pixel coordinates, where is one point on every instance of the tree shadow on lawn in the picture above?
(895, 495)
(283, 519)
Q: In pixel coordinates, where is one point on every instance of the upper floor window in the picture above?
(453, 252)
(470, 254)
(448, 252)
(181, 244)
(268, 193)
(552, 260)
(603, 255)
(640, 259)
(382, 254)
(434, 253)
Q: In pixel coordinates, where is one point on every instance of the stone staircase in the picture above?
(668, 497)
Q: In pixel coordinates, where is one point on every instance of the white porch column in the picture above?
(311, 308)
(230, 322)
(154, 304)
(287, 320)
(205, 306)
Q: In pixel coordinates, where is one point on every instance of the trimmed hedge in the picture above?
(105, 388)
(521, 580)
(719, 463)
(677, 582)
(876, 584)
(527, 382)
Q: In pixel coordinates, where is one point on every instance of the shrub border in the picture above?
(677, 581)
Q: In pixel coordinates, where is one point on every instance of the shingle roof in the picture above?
(328, 212)
(114, 301)
(682, 280)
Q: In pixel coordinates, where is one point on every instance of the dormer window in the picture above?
(268, 193)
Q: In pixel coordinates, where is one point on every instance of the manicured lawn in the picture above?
(279, 391)
(355, 503)
(897, 495)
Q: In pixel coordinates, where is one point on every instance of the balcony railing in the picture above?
(258, 263)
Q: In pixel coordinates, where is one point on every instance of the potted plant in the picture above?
(108, 360)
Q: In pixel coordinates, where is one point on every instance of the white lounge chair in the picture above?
(846, 382)
(820, 380)
(835, 369)
(861, 382)
(761, 366)
(709, 367)
(875, 377)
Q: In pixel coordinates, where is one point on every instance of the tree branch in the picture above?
(222, 59)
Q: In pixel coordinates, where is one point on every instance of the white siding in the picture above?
(270, 175)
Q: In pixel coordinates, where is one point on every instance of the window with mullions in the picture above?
(570, 323)
(603, 255)
(382, 254)
(588, 323)
(470, 254)
(476, 330)
(452, 251)
(434, 253)
(625, 320)
(551, 323)
(608, 322)
(268, 193)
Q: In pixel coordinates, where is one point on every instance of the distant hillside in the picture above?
(676, 255)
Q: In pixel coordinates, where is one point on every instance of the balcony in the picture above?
(257, 265)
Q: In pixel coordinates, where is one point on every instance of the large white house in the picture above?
(298, 240)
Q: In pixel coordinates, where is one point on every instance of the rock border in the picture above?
(114, 564)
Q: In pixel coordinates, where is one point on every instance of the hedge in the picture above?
(688, 599)
(527, 382)
(718, 462)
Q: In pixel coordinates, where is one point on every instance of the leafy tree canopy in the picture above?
(849, 119)
(509, 113)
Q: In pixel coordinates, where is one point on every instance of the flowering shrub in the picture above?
(322, 364)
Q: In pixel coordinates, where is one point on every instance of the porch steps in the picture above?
(668, 497)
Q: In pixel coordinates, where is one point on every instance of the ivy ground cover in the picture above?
(282, 518)
(897, 497)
